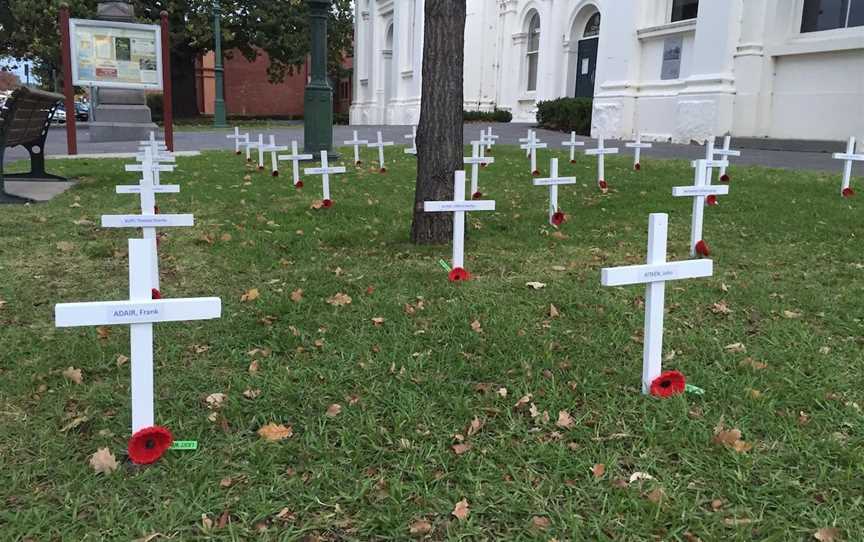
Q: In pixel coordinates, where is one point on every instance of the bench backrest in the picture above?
(25, 117)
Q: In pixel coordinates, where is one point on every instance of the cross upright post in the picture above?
(600, 152)
(476, 160)
(531, 146)
(556, 216)
(238, 139)
(849, 157)
(380, 144)
(260, 146)
(295, 157)
(489, 139)
(725, 153)
(274, 151)
(413, 137)
(325, 171)
(356, 142)
(572, 143)
(700, 191)
(637, 147)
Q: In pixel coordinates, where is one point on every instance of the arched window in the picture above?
(592, 27)
(533, 50)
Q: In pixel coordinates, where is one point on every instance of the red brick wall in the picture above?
(249, 93)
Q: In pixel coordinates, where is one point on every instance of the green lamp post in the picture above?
(318, 98)
(218, 70)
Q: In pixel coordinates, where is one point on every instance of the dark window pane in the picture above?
(824, 15)
(592, 28)
(532, 71)
(856, 16)
(683, 10)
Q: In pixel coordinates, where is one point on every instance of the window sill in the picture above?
(827, 41)
(407, 74)
(670, 29)
(528, 96)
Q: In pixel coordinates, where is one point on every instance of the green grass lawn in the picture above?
(788, 286)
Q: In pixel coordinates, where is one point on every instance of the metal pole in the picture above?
(68, 89)
(318, 99)
(219, 120)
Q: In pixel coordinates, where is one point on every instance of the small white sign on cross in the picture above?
(260, 146)
(600, 152)
(295, 157)
(325, 171)
(849, 157)
(139, 312)
(655, 274)
(274, 151)
(637, 147)
(726, 152)
(531, 146)
(556, 216)
(476, 160)
(380, 144)
(413, 137)
(700, 191)
(356, 142)
(459, 206)
(572, 143)
(239, 139)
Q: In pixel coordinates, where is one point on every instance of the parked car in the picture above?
(82, 111)
(59, 115)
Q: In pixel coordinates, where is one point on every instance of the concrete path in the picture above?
(509, 135)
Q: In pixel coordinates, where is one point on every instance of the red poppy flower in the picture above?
(275, 173)
(702, 249)
(249, 160)
(327, 203)
(483, 165)
(382, 170)
(711, 200)
(298, 184)
(260, 168)
(725, 178)
(558, 218)
(458, 275)
(536, 173)
(238, 153)
(358, 163)
(148, 444)
(155, 294)
(668, 384)
(602, 184)
(848, 192)
(156, 209)
(572, 161)
(477, 195)
(637, 166)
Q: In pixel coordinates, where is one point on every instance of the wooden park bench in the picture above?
(24, 120)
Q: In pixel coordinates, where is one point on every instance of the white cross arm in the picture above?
(644, 274)
(357, 142)
(154, 167)
(147, 221)
(323, 170)
(710, 163)
(853, 157)
(573, 143)
(382, 144)
(638, 145)
(150, 142)
(554, 182)
(157, 158)
(160, 189)
(724, 152)
(457, 206)
(694, 191)
(595, 152)
(275, 148)
(529, 146)
(107, 313)
(285, 157)
(479, 160)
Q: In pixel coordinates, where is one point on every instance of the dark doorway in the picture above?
(586, 68)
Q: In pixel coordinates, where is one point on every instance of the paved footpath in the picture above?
(509, 135)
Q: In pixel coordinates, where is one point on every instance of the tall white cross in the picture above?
(356, 142)
(637, 147)
(238, 140)
(413, 137)
(489, 139)
(153, 143)
(295, 157)
(158, 155)
(139, 312)
(476, 160)
(700, 191)
(556, 217)
(260, 146)
(527, 139)
(531, 146)
(380, 144)
(325, 171)
(274, 151)
(726, 152)
(572, 143)
(458, 207)
(655, 274)
(600, 152)
(849, 157)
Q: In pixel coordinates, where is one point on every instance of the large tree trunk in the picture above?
(439, 134)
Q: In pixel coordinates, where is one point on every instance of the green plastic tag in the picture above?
(444, 264)
(695, 390)
(184, 445)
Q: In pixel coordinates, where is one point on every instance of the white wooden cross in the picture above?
(484, 143)
(527, 139)
(157, 157)
(239, 139)
(380, 144)
(556, 217)
(153, 143)
(139, 312)
(572, 143)
(476, 160)
(274, 151)
(700, 191)
(458, 207)
(488, 138)
(413, 137)
(356, 142)
(849, 157)
(655, 274)
(260, 146)
(637, 153)
(600, 152)
(295, 157)
(531, 146)
(726, 152)
(325, 171)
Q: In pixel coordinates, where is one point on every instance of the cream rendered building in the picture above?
(676, 70)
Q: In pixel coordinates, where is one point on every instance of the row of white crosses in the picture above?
(849, 157)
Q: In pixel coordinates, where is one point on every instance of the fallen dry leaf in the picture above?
(731, 439)
(297, 295)
(250, 295)
(553, 311)
(73, 375)
(475, 427)
(523, 401)
(502, 392)
(565, 420)
(251, 394)
(254, 366)
(103, 332)
(122, 360)
(215, 400)
(539, 522)
(735, 348)
(476, 326)
(721, 308)
(792, 315)
(103, 461)
(460, 448)
(65, 246)
(420, 527)
(275, 432)
(339, 300)
(598, 470)
(656, 496)
(639, 476)
(378, 321)
(750, 362)
(535, 285)
(334, 410)
(461, 511)
(828, 534)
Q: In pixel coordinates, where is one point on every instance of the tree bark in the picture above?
(439, 134)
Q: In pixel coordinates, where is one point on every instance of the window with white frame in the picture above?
(533, 51)
(683, 10)
(822, 15)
